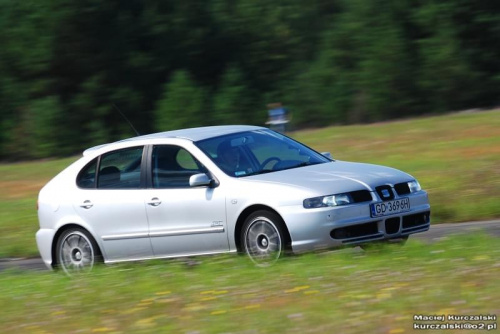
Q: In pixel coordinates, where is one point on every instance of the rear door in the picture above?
(111, 200)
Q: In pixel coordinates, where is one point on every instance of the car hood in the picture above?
(335, 177)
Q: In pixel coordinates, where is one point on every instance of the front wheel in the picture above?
(76, 251)
(263, 238)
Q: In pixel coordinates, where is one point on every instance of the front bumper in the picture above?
(44, 238)
(352, 224)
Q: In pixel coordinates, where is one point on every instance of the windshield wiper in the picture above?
(302, 164)
(305, 163)
(263, 171)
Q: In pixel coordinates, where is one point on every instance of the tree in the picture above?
(232, 103)
(26, 35)
(446, 74)
(44, 120)
(171, 64)
(182, 104)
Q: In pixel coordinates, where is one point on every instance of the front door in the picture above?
(183, 220)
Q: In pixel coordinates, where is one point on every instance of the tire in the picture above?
(76, 251)
(262, 237)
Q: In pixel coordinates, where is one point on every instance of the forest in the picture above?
(67, 67)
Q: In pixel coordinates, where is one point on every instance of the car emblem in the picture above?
(386, 193)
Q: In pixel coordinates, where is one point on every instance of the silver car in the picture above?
(216, 190)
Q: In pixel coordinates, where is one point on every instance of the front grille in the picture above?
(385, 192)
(416, 220)
(402, 188)
(392, 225)
(361, 196)
(354, 231)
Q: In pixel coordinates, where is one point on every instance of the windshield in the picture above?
(257, 152)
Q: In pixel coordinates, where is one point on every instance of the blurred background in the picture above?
(67, 67)
(174, 64)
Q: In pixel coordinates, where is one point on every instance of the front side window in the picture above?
(120, 169)
(172, 166)
(256, 152)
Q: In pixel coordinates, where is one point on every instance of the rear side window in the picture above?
(86, 178)
(121, 169)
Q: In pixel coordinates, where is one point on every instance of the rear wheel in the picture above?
(76, 251)
(263, 238)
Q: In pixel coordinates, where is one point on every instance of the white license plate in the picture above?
(390, 207)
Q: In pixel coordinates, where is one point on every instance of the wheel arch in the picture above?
(247, 212)
(64, 228)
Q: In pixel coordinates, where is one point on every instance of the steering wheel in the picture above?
(268, 160)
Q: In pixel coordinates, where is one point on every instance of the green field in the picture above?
(347, 291)
(455, 158)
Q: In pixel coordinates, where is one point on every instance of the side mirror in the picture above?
(327, 155)
(198, 180)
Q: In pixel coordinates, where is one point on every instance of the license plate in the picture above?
(390, 207)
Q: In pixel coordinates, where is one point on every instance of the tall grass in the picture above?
(347, 291)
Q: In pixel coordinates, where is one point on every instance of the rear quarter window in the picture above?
(86, 177)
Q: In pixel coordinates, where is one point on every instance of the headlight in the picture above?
(414, 186)
(326, 201)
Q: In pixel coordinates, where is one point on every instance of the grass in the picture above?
(20, 184)
(455, 158)
(348, 291)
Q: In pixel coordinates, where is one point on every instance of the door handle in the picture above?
(87, 204)
(155, 201)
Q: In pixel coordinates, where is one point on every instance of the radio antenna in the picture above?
(125, 118)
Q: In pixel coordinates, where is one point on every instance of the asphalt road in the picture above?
(435, 233)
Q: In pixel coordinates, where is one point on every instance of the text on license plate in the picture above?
(390, 207)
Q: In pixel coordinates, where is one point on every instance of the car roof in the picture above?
(192, 134)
